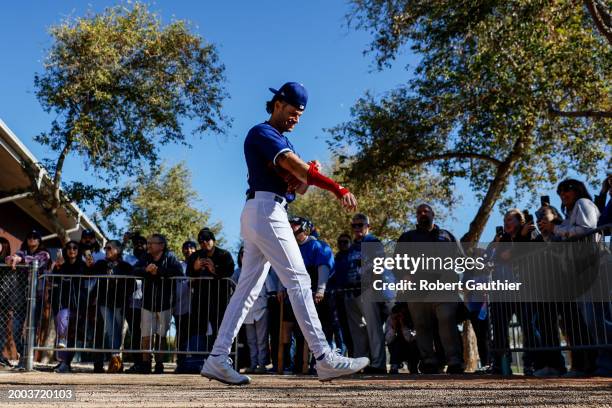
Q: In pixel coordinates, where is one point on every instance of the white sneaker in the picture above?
(220, 368)
(333, 365)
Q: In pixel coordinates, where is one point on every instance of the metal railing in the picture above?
(17, 306)
(69, 313)
(542, 330)
(96, 302)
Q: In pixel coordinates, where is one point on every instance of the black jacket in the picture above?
(209, 298)
(65, 291)
(157, 289)
(113, 292)
(437, 234)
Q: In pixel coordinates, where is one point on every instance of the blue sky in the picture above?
(262, 44)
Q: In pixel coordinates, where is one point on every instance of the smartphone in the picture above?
(544, 200)
(88, 255)
(528, 217)
(499, 230)
(58, 254)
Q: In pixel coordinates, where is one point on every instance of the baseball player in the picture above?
(275, 174)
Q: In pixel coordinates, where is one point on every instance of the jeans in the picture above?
(62, 327)
(113, 327)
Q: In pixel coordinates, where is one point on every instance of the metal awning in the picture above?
(15, 187)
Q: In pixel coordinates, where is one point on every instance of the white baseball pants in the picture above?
(269, 241)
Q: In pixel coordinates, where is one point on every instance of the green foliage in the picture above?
(164, 202)
(506, 92)
(389, 200)
(120, 83)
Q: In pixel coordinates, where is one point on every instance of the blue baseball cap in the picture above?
(293, 93)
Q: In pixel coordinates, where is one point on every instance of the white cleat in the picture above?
(333, 365)
(220, 368)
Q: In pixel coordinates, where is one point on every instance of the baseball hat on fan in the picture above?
(293, 93)
(206, 234)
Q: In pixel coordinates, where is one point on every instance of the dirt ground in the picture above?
(403, 390)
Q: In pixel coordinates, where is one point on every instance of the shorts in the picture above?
(155, 322)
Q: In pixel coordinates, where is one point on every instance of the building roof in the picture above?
(14, 156)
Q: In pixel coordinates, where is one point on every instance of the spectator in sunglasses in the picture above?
(64, 299)
(32, 249)
(213, 262)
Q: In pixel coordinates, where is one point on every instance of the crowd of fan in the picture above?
(424, 337)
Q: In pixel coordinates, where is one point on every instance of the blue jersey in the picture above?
(355, 262)
(316, 253)
(262, 146)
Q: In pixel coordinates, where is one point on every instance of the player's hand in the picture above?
(349, 202)
(316, 163)
(318, 297)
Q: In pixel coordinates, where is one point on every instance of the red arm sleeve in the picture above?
(314, 178)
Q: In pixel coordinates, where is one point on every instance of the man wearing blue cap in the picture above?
(275, 174)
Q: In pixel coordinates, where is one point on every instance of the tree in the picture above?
(600, 12)
(119, 84)
(164, 202)
(389, 200)
(506, 92)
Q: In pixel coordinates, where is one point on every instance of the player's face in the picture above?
(289, 116)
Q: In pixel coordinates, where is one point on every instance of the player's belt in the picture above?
(266, 194)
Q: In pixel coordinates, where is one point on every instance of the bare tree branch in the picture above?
(455, 155)
(579, 114)
(601, 17)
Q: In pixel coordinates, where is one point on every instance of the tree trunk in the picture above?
(470, 347)
(49, 197)
(504, 170)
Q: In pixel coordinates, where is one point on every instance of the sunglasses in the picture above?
(357, 225)
(72, 247)
(344, 242)
(108, 248)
